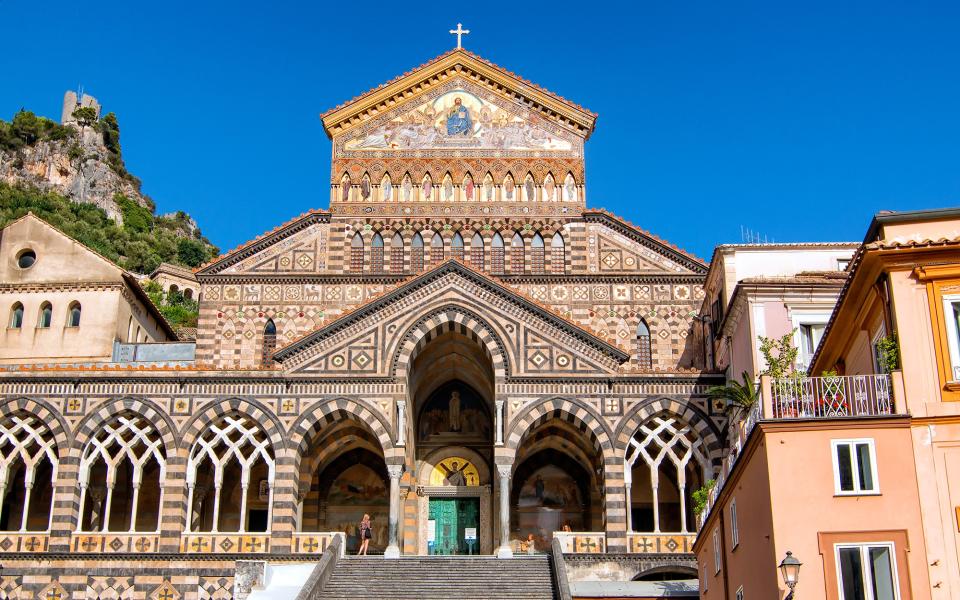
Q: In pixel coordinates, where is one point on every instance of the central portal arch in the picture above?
(451, 384)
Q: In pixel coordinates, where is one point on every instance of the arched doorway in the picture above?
(451, 390)
(345, 476)
(557, 483)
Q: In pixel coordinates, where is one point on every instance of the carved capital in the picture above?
(504, 471)
(395, 471)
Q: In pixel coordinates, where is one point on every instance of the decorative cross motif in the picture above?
(459, 32)
(253, 545)
(642, 545)
(311, 545)
(88, 544)
(587, 545)
(73, 404)
(288, 405)
(166, 594)
(143, 544)
(54, 594)
(199, 545)
(32, 544)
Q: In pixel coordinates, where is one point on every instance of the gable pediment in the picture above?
(531, 340)
(459, 116)
(624, 248)
(405, 91)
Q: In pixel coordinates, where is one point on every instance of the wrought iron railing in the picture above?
(832, 396)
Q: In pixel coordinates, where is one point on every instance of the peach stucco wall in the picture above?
(792, 472)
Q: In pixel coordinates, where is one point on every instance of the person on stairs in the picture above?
(366, 532)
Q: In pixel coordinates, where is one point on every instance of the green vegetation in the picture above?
(739, 397)
(888, 353)
(140, 245)
(779, 354)
(110, 130)
(179, 311)
(701, 496)
(26, 129)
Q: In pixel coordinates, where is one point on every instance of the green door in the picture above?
(453, 520)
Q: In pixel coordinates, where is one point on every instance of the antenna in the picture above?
(749, 236)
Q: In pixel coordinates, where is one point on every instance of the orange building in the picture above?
(856, 469)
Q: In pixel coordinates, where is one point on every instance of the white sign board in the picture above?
(431, 531)
(470, 533)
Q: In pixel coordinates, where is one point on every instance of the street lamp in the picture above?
(790, 570)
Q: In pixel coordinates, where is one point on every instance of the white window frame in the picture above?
(734, 527)
(739, 595)
(799, 317)
(953, 335)
(716, 551)
(868, 584)
(856, 491)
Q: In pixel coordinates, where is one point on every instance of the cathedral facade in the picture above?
(458, 347)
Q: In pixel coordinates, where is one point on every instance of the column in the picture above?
(216, 508)
(393, 548)
(105, 524)
(627, 484)
(26, 505)
(499, 423)
(504, 471)
(401, 422)
(133, 506)
(189, 525)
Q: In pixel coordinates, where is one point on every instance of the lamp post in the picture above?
(790, 571)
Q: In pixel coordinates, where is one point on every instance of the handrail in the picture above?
(323, 571)
(561, 585)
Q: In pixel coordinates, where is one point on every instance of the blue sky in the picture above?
(798, 120)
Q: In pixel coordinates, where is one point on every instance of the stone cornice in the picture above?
(389, 279)
(61, 286)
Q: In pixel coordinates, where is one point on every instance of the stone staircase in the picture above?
(441, 578)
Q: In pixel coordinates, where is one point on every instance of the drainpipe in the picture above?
(723, 554)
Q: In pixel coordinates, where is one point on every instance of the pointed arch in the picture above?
(529, 188)
(456, 246)
(436, 249)
(476, 250)
(29, 459)
(345, 188)
(16, 316)
(549, 188)
(497, 258)
(269, 343)
(386, 188)
(45, 316)
(365, 188)
(356, 253)
(447, 190)
(516, 253)
(426, 189)
(570, 190)
(416, 253)
(376, 253)
(644, 354)
(536, 254)
(558, 259)
(509, 188)
(468, 188)
(396, 253)
(489, 193)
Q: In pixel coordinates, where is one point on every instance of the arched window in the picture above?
(665, 463)
(173, 289)
(356, 253)
(644, 357)
(73, 315)
(496, 255)
(137, 340)
(456, 246)
(269, 343)
(46, 315)
(396, 253)
(188, 294)
(233, 458)
(476, 251)
(436, 249)
(516, 254)
(557, 258)
(416, 253)
(376, 254)
(121, 476)
(536, 254)
(16, 316)
(28, 468)
(130, 337)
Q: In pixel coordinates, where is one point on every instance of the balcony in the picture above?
(804, 398)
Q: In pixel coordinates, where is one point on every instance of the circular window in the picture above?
(26, 258)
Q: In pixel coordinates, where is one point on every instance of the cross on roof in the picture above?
(459, 32)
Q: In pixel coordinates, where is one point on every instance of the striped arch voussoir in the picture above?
(570, 411)
(106, 412)
(325, 414)
(46, 413)
(256, 411)
(700, 423)
(445, 320)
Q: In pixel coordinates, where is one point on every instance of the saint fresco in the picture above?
(454, 413)
(460, 119)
